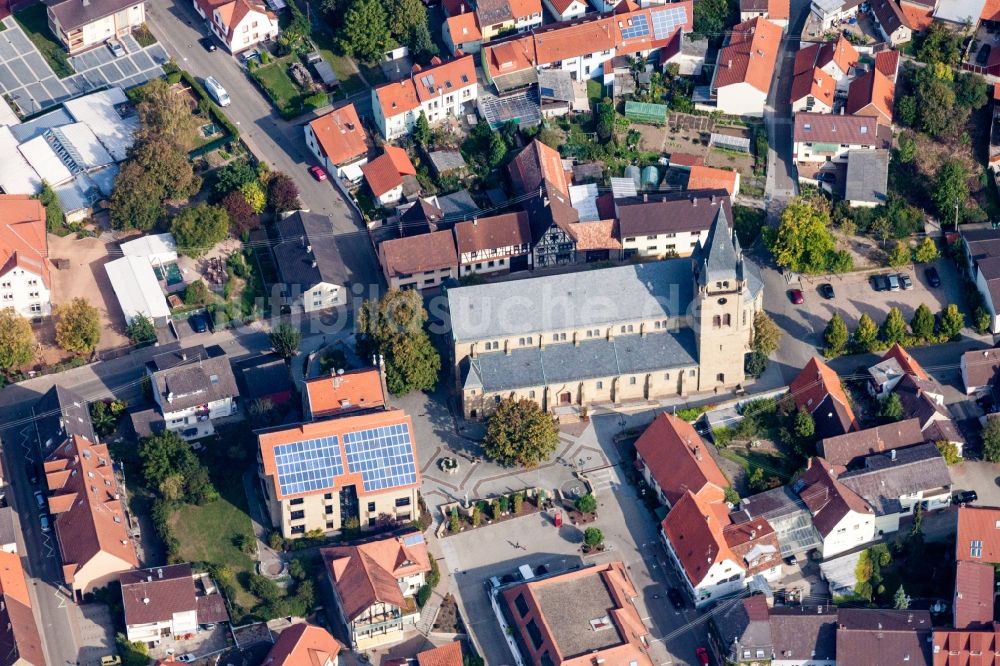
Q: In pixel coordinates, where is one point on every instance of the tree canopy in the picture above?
(364, 32)
(54, 216)
(766, 334)
(835, 336)
(803, 242)
(520, 434)
(17, 342)
(951, 189)
(170, 466)
(199, 228)
(78, 326)
(141, 329)
(991, 440)
(285, 340)
(393, 326)
(165, 113)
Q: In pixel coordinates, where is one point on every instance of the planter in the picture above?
(448, 465)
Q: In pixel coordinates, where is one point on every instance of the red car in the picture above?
(796, 296)
(702, 655)
(317, 173)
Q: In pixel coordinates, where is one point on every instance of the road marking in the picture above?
(61, 598)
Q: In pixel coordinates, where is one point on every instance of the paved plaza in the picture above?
(31, 84)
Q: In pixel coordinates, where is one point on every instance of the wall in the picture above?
(26, 293)
(315, 507)
(100, 570)
(741, 99)
(853, 530)
(253, 29)
(115, 25)
(322, 296)
(659, 245)
(179, 419)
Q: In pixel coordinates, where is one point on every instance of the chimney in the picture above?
(309, 248)
(184, 355)
(337, 381)
(314, 263)
(892, 455)
(645, 197)
(475, 222)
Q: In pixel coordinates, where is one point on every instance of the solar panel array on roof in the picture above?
(639, 28)
(383, 456)
(666, 21)
(309, 465)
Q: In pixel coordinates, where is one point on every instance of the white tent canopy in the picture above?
(159, 249)
(137, 288)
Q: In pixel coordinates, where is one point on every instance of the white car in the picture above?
(116, 48)
(186, 658)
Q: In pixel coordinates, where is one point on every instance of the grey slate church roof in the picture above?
(592, 359)
(720, 258)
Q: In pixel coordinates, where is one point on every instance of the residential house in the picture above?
(674, 459)
(20, 639)
(461, 34)
(162, 603)
(775, 11)
(982, 256)
(978, 535)
(640, 348)
(840, 516)
(821, 72)
(440, 90)
(313, 273)
(419, 262)
(91, 521)
(887, 62)
(745, 67)
(449, 654)
(694, 538)
(538, 166)
(60, 414)
(867, 183)
(803, 635)
(897, 482)
(741, 632)
(924, 400)
(82, 25)
(339, 142)
(919, 13)
(499, 243)
(787, 515)
(813, 91)
(239, 24)
(270, 381)
(979, 369)
(890, 21)
(827, 14)
(891, 368)
(565, 10)
(818, 391)
(343, 392)
(687, 53)
(972, 604)
(662, 225)
(709, 178)
(304, 643)
(851, 448)
(819, 137)
(374, 587)
(755, 545)
(959, 15)
(497, 18)
(387, 175)
(879, 636)
(871, 94)
(191, 389)
(585, 615)
(320, 476)
(965, 647)
(25, 279)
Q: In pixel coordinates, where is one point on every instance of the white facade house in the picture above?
(745, 67)
(339, 142)
(239, 24)
(819, 137)
(721, 579)
(24, 289)
(24, 268)
(564, 10)
(852, 530)
(81, 25)
(439, 91)
(160, 249)
(163, 603)
(191, 389)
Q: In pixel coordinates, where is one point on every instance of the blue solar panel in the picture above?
(383, 457)
(309, 465)
(639, 28)
(666, 21)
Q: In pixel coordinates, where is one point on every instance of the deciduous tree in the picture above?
(835, 336)
(17, 342)
(803, 242)
(950, 322)
(78, 326)
(900, 254)
(927, 251)
(282, 193)
(890, 410)
(242, 218)
(199, 228)
(865, 337)
(520, 434)
(894, 327)
(951, 188)
(165, 113)
(232, 177)
(136, 201)
(54, 216)
(140, 329)
(991, 440)
(285, 340)
(766, 334)
(710, 17)
(394, 327)
(365, 32)
(254, 195)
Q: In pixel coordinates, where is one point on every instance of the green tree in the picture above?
(586, 503)
(365, 32)
(981, 320)
(285, 340)
(422, 46)
(991, 440)
(78, 327)
(927, 251)
(866, 334)
(498, 150)
(907, 148)
(951, 188)
(164, 113)
(167, 166)
(731, 496)
(900, 254)
(950, 322)
(890, 410)
(756, 479)
(949, 451)
(132, 654)
(17, 342)
(935, 104)
(422, 130)
(136, 200)
(403, 17)
(520, 433)
(606, 119)
(766, 334)
(140, 330)
(253, 192)
(922, 323)
(940, 45)
(477, 516)
(394, 327)
(54, 216)
(803, 242)
(282, 193)
(453, 523)
(805, 426)
(881, 229)
(971, 90)
(900, 600)
(197, 293)
(593, 537)
(835, 337)
(198, 229)
(710, 17)
(894, 327)
(159, 454)
(517, 503)
(232, 177)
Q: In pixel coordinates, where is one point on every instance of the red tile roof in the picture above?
(973, 595)
(340, 134)
(750, 55)
(991, 11)
(887, 62)
(967, 648)
(522, 9)
(600, 235)
(917, 16)
(685, 159)
(679, 460)
(978, 538)
(849, 447)
(418, 254)
(694, 529)
(755, 543)
(710, 178)
(20, 640)
(445, 655)
(828, 499)
(493, 233)
(816, 83)
(400, 160)
(347, 392)
(382, 175)
(23, 242)
(906, 361)
(303, 645)
(426, 83)
(463, 29)
(156, 594)
(368, 573)
(871, 94)
(814, 384)
(535, 164)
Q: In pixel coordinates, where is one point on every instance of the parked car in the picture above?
(318, 173)
(933, 277)
(186, 658)
(116, 48)
(44, 523)
(702, 655)
(894, 283)
(905, 282)
(207, 43)
(965, 497)
(217, 92)
(198, 323)
(247, 56)
(676, 598)
(826, 290)
(879, 282)
(111, 660)
(189, 432)
(40, 499)
(796, 296)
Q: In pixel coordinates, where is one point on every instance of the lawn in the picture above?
(595, 90)
(274, 77)
(773, 464)
(35, 23)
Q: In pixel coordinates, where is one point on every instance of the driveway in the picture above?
(983, 477)
(32, 85)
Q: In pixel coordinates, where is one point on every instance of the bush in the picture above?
(586, 503)
(593, 537)
(423, 595)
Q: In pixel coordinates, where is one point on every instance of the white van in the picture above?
(217, 92)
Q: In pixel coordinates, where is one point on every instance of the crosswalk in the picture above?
(605, 478)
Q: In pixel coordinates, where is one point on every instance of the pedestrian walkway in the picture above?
(270, 562)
